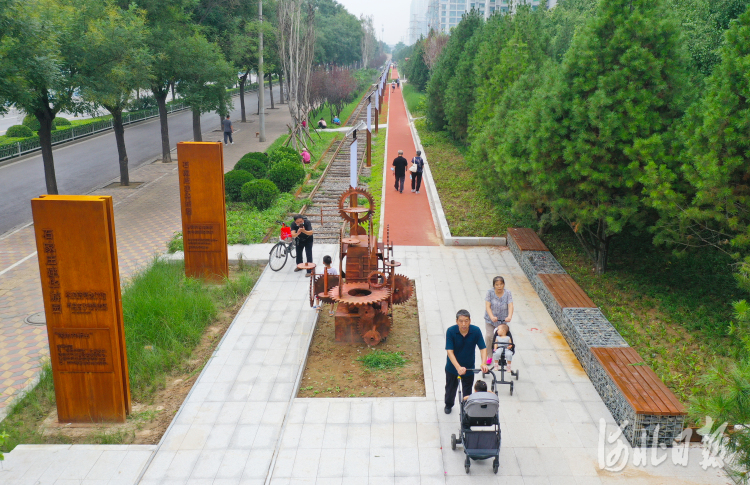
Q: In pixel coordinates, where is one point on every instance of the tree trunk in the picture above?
(197, 125)
(45, 140)
(122, 153)
(270, 88)
(161, 101)
(281, 88)
(242, 96)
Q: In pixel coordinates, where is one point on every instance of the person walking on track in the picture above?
(417, 165)
(399, 170)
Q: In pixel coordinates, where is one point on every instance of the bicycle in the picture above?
(281, 251)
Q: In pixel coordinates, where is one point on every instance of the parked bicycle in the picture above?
(281, 251)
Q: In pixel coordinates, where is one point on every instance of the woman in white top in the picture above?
(498, 305)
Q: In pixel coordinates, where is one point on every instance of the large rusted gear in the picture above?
(363, 217)
(333, 280)
(374, 329)
(359, 294)
(402, 289)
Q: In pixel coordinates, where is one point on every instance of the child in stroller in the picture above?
(502, 342)
(481, 408)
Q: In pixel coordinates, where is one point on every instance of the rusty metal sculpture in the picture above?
(364, 298)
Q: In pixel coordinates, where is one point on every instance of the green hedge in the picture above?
(286, 174)
(260, 193)
(253, 166)
(19, 131)
(233, 182)
(32, 123)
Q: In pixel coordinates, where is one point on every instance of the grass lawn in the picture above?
(675, 311)
(166, 317)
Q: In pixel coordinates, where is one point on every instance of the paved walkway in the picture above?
(146, 217)
(241, 423)
(407, 213)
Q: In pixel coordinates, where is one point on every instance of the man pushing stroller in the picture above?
(460, 341)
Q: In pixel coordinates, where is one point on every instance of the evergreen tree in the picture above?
(445, 68)
(708, 201)
(460, 94)
(620, 93)
(417, 72)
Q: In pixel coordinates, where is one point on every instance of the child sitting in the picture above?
(502, 343)
(479, 386)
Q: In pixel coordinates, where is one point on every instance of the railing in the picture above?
(73, 133)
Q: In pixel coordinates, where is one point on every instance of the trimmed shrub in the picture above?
(233, 182)
(62, 122)
(33, 123)
(284, 154)
(260, 193)
(287, 174)
(256, 156)
(254, 166)
(19, 131)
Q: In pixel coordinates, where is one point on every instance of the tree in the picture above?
(445, 67)
(706, 201)
(296, 43)
(115, 63)
(340, 88)
(338, 34)
(433, 47)
(619, 94)
(204, 76)
(417, 71)
(369, 39)
(461, 91)
(41, 53)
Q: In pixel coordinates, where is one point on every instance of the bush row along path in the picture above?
(145, 219)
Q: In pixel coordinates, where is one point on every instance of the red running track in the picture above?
(408, 214)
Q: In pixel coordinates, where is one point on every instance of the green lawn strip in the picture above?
(246, 225)
(675, 311)
(414, 100)
(374, 181)
(166, 315)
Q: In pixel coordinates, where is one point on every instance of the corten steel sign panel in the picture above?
(204, 221)
(77, 251)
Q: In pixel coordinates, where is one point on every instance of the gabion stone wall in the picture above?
(587, 328)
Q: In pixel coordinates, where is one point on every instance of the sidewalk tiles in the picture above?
(242, 424)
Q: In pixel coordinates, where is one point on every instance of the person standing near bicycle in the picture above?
(302, 231)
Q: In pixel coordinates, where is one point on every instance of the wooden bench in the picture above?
(522, 239)
(637, 395)
(566, 291)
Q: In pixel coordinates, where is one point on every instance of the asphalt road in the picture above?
(92, 162)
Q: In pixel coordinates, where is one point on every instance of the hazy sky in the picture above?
(391, 17)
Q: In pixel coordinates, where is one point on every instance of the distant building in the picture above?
(418, 25)
(443, 15)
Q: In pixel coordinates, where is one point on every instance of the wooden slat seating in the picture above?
(642, 388)
(526, 239)
(566, 291)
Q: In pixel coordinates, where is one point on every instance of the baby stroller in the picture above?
(501, 363)
(481, 409)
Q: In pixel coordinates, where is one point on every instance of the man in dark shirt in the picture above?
(399, 170)
(303, 232)
(460, 340)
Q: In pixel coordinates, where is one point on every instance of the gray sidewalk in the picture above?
(241, 423)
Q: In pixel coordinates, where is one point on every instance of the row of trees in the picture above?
(79, 55)
(609, 116)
